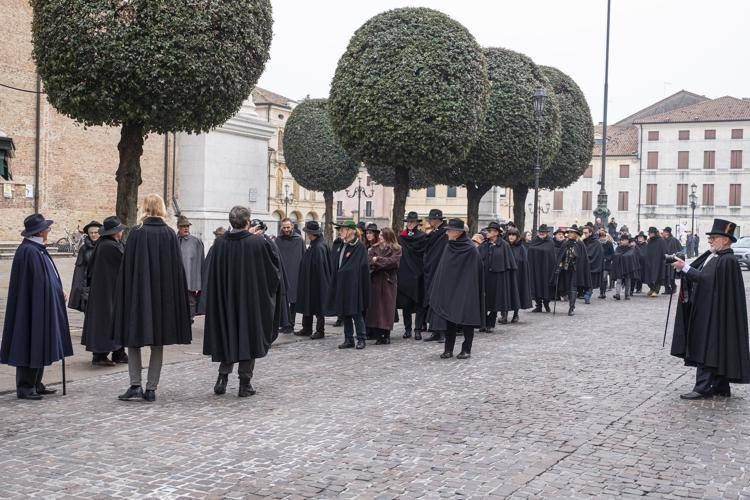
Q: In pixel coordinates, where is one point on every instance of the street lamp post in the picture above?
(359, 192)
(538, 100)
(693, 206)
(287, 199)
(544, 210)
(601, 200)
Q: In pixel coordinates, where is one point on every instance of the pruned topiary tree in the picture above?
(149, 66)
(314, 156)
(409, 93)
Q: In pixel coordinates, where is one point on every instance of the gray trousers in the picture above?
(244, 369)
(135, 366)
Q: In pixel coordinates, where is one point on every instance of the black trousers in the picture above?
(572, 296)
(320, 322)
(603, 284)
(244, 369)
(450, 337)
(28, 380)
(706, 382)
(419, 313)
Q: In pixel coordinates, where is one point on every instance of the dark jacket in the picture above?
(384, 263)
(100, 314)
(291, 249)
(315, 274)
(349, 293)
(410, 275)
(500, 280)
(542, 264)
(436, 243)
(80, 286)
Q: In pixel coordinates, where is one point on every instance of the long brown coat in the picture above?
(384, 263)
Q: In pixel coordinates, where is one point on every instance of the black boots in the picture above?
(221, 384)
(515, 317)
(546, 306)
(303, 333)
(407, 334)
(417, 335)
(361, 344)
(503, 319)
(149, 395)
(246, 389)
(571, 311)
(318, 335)
(134, 392)
(347, 344)
(434, 337)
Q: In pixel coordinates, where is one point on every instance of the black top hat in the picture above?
(34, 224)
(412, 217)
(667, 229)
(112, 225)
(494, 225)
(312, 227)
(456, 224)
(652, 229)
(91, 224)
(723, 227)
(372, 227)
(436, 213)
(543, 229)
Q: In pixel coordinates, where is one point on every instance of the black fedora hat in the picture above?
(436, 214)
(312, 227)
(456, 224)
(112, 225)
(34, 224)
(412, 217)
(667, 230)
(494, 225)
(543, 228)
(91, 224)
(372, 227)
(723, 227)
(575, 229)
(361, 225)
(641, 235)
(653, 229)
(625, 236)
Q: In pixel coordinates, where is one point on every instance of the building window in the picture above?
(682, 195)
(708, 195)
(557, 200)
(368, 209)
(684, 135)
(653, 135)
(588, 173)
(622, 201)
(431, 192)
(624, 171)
(651, 194)
(709, 134)
(586, 200)
(683, 159)
(736, 159)
(652, 162)
(709, 160)
(737, 133)
(735, 195)
(451, 191)
(339, 209)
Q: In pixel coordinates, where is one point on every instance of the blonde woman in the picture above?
(151, 306)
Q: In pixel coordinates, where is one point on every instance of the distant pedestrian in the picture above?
(612, 228)
(573, 270)
(654, 271)
(218, 233)
(192, 252)
(673, 247)
(500, 284)
(542, 264)
(80, 287)
(522, 278)
(436, 243)
(36, 331)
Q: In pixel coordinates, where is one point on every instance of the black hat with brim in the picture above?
(112, 225)
(723, 227)
(91, 224)
(412, 217)
(372, 227)
(312, 227)
(456, 225)
(494, 225)
(435, 214)
(34, 224)
(543, 229)
(574, 229)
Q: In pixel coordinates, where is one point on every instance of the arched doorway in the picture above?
(311, 216)
(277, 216)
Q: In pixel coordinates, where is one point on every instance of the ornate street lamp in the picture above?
(538, 100)
(693, 206)
(602, 211)
(286, 199)
(359, 192)
(544, 210)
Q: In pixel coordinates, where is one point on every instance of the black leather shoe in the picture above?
(724, 393)
(303, 333)
(42, 389)
(134, 392)
(695, 395)
(338, 323)
(464, 355)
(361, 344)
(616, 296)
(346, 345)
(149, 395)
(503, 320)
(221, 384)
(120, 359)
(417, 335)
(446, 355)
(547, 308)
(571, 312)
(434, 337)
(318, 336)
(602, 296)
(103, 362)
(537, 309)
(287, 330)
(489, 330)
(514, 319)
(246, 389)
(407, 335)
(32, 396)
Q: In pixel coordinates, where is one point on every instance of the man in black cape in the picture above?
(654, 262)
(349, 294)
(500, 285)
(519, 250)
(434, 246)
(456, 296)
(608, 248)
(314, 282)
(710, 330)
(673, 247)
(243, 308)
(100, 314)
(410, 294)
(542, 263)
(596, 261)
(80, 286)
(336, 245)
(641, 247)
(573, 269)
(291, 247)
(285, 322)
(624, 267)
(36, 331)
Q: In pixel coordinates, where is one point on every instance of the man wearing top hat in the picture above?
(80, 287)
(191, 249)
(100, 314)
(36, 331)
(410, 296)
(710, 330)
(314, 282)
(434, 246)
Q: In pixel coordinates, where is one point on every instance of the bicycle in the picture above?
(71, 243)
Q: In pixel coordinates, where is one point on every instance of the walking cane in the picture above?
(666, 325)
(65, 392)
(557, 284)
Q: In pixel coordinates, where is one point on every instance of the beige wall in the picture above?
(77, 165)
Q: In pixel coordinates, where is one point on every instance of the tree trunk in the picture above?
(474, 195)
(400, 191)
(519, 206)
(328, 230)
(129, 172)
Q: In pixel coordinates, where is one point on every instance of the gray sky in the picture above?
(657, 47)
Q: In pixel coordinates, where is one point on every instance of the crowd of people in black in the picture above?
(250, 286)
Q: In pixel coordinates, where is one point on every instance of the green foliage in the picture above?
(410, 90)
(169, 65)
(386, 177)
(313, 155)
(577, 139)
(505, 153)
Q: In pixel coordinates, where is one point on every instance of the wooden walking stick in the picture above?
(65, 391)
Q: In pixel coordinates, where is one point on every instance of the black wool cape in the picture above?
(500, 279)
(523, 279)
(711, 323)
(578, 274)
(100, 313)
(291, 248)
(410, 275)
(244, 286)
(433, 252)
(542, 263)
(151, 299)
(625, 263)
(595, 252)
(349, 293)
(314, 281)
(654, 270)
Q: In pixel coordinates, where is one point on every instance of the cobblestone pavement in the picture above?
(550, 407)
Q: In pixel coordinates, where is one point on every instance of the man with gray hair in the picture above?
(242, 288)
(191, 249)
